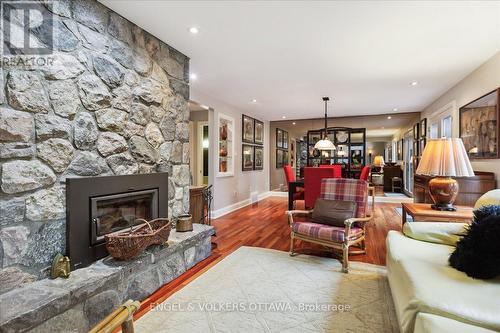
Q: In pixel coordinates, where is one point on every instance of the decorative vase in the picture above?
(223, 152)
(223, 132)
(223, 166)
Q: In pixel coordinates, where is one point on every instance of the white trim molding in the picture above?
(238, 205)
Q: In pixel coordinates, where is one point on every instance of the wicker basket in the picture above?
(130, 244)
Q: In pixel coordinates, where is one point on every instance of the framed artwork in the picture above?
(279, 138)
(258, 158)
(357, 156)
(285, 140)
(422, 145)
(259, 132)
(247, 130)
(416, 128)
(279, 158)
(416, 148)
(247, 157)
(285, 158)
(423, 128)
(479, 126)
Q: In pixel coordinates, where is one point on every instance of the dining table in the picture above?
(292, 188)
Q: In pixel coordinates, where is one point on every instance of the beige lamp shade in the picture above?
(446, 158)
(378, 161)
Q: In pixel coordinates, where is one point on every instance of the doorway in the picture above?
(202, 158)
(408, 163)
(199, 145)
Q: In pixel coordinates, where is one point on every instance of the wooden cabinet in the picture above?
(469, 188)
(197, 204)
(389, 173)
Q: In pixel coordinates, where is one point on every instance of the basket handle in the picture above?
(149, 225)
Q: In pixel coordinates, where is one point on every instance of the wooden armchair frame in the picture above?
(344, 246)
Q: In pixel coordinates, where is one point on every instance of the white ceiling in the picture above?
(288, 54)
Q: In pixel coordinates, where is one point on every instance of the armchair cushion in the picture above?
(333, 212)
(325, 232)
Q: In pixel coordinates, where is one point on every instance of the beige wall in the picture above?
(235, 189)
(481, 81)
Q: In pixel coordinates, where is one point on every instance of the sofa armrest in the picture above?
(435, 232)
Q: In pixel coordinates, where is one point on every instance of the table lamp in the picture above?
(442, 159)
(378, 161)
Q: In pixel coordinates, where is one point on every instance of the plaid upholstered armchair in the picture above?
(341, 238)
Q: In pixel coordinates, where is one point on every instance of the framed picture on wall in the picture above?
(416, 147)
(422, 145)
(423, 128)
(259, 132)
(279, 158)
(285, 158)
(285, 140)
(279, 138)
(259, 158)
(247, 131)
(480, 128)
(247, 157)
(416, 131)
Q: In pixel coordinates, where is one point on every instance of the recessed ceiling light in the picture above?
(414, 83)
(194, 30)
(193, 76)
(389, 117)
(294, 123)
(395, 109)
(283, 117)
(254, 100)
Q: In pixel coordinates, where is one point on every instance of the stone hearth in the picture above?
(89, 294)
(112, 101)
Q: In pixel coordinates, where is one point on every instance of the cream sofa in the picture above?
(431, 296)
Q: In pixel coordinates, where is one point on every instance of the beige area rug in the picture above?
(262, 290)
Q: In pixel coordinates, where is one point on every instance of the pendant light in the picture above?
(325, 144)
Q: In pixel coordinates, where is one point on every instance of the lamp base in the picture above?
(444, 207)
(443, 191)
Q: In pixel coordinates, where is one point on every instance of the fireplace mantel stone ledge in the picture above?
(89, 294)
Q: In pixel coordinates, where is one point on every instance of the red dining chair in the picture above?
(365, 173)
(312, 183)
(337, 169)
(290, 177)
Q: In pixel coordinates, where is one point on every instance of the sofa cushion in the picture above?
(422, 281)
(435, 232)
(333, 212)
(489, 198)
(325, 232)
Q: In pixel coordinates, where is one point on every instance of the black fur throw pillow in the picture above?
(478, 252)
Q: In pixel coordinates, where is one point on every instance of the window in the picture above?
(434, 131)
(446, 127)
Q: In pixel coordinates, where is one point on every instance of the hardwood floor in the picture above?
(265, 225)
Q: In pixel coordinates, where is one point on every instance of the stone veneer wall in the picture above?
(114, 101)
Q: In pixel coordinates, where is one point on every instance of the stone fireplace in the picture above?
(99, 206)
(113, 100)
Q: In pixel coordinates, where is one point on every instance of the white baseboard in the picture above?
(238, 205)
